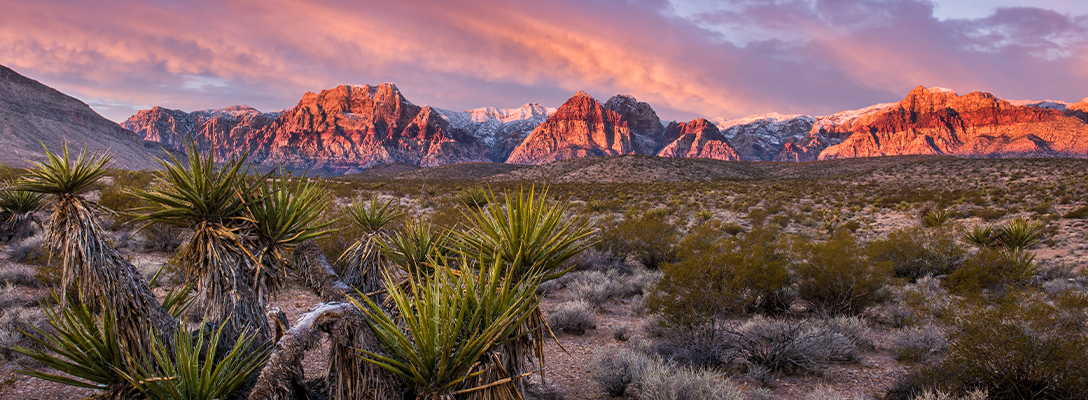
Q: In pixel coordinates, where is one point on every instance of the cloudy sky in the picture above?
(687, 58)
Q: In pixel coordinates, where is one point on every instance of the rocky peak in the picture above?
(698, 138)
(582, 126)
(641, 119)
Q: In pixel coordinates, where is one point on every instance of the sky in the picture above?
(687, 58)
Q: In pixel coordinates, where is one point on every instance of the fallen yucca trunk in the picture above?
(349, 377)
(92, 269)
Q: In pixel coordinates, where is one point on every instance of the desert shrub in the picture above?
(651, 237)
(15, 322)
(592, 259)
(791, 347)
(852, 225)
(918, 344)
(164, 238)
(596, 293)
(18, 276)
(920, 302)
(622, 333)
(918, 252)
(614, 371)
(705, 346)
(1019, 348)
(1079, 213)
(836, 277)
(993, 270)
(573, 317)
(664, 382)
(732, 228)
(719, 276)
(824, 392)
(33, 250)
(854, 328)
(989, 214)
(939, 395)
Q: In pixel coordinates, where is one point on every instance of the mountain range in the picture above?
(33, 115)
(348, 129)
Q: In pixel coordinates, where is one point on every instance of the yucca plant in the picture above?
(212, 201)
(92, 269)
(526, 235)
(474, 198)
(1021, 234)
(449, 320)
(361, 264)
(190, 371)
(85, 349)
(983, 236)
(415, 249)
(17, 209)
(934, 218)
(283, 215)
(525, 232)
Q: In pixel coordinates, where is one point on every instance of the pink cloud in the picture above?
(816, 56)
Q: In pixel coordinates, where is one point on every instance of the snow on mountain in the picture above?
(501, 129)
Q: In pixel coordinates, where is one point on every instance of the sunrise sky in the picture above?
(687, 58)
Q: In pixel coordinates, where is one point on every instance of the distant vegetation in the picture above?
(970, 271)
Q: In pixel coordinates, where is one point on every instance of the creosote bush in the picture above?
(719, 276)
(1017, 347)
(837, 278)
(917, 252)
(651, 237)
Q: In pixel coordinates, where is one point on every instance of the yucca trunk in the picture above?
(93, 270)
(349, 377)
(225, 293)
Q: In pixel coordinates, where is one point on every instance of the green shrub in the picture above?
(993, 269)
(1079, 213)
(651, 237)
(719, 276)
(1020, 348)
(836, 277)
(917, 252)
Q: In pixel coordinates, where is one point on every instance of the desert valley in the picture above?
(488, 200)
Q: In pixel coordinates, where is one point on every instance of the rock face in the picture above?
(582, 127)
(937, 121)
(341, 130)
(208, 129)
(32, 114)
(698, 138)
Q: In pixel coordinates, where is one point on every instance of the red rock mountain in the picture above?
(349, 128)
(340, 130)
(32, 114)
(699, 138)
(937, 121)
(583, 127)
